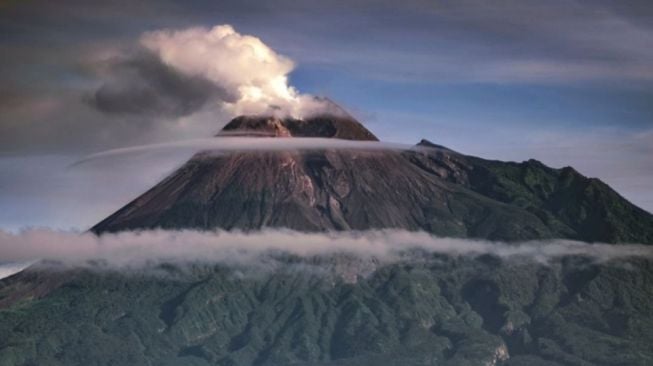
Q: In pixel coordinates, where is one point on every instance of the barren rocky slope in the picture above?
(427, 188)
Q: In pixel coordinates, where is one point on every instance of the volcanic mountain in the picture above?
(428, 187)
(344, 309)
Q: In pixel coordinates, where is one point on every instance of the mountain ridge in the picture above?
(430, 188)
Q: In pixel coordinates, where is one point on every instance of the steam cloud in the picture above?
(177, 72)
(135, 249)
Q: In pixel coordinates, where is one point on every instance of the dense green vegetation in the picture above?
(438, 310)
(571, 204)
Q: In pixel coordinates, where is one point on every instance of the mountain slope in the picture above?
(428, 188)
(438, 310)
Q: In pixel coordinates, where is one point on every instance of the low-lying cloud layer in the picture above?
(135, 249)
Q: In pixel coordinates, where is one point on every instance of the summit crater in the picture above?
(323, 125)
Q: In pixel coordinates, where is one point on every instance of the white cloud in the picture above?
(239, 63)
(232, 144)
(137, 249)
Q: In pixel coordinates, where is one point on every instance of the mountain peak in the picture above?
(323, 125)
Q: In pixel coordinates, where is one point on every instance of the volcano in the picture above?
(341, 309)
(428, 188)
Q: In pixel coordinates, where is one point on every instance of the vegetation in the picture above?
(438, 310)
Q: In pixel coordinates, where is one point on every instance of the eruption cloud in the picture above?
(176, 73)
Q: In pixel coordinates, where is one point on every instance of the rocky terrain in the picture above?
(427, 188)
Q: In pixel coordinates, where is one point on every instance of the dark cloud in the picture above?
(143, 85)
(65, 123)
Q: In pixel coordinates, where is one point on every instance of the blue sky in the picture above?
(566, 82)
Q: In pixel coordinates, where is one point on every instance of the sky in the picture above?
(564, 82)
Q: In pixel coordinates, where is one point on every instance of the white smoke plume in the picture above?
(136, 249)
(240, 64)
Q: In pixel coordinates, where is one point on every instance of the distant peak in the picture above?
(321, 125)
(427, 143)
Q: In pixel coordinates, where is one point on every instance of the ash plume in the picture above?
(173, 73)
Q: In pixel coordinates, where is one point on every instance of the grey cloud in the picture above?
(61, 123)
(541, 42)
(143, 85)
(555, 42)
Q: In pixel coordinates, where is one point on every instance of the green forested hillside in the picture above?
(439, 310)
